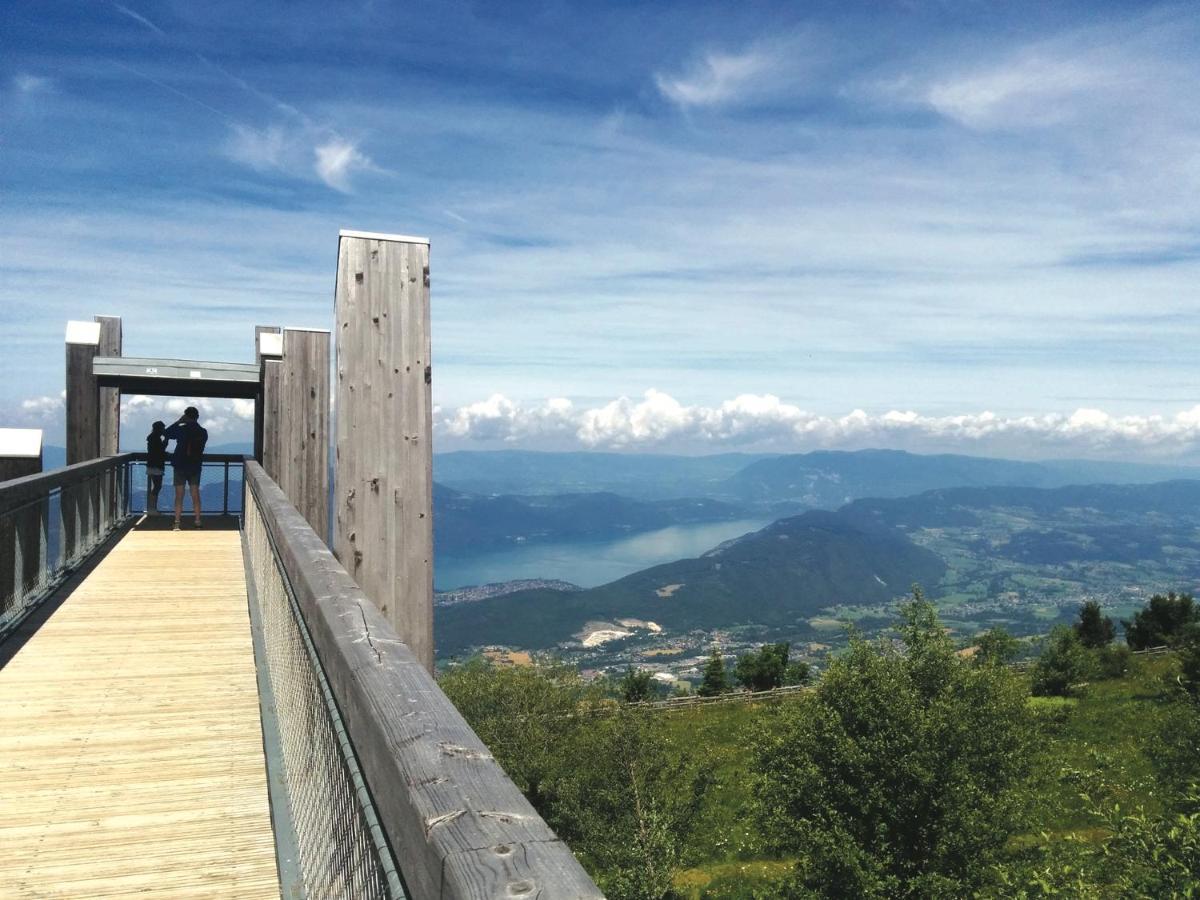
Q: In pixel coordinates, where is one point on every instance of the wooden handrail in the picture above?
(458, 826)
(17, 491)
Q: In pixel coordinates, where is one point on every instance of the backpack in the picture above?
(193, 443)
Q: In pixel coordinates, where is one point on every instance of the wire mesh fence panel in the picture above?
(341, 847)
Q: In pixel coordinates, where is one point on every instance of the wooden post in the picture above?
(270, 414)
(269, 346)
(383, 523)
(83, 430)
(83, 394)
(303, 433)
(22, 544)
(110, 398)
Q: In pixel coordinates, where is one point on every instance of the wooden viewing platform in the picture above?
(131, 749)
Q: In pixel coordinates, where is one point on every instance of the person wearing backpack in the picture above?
(187, 459)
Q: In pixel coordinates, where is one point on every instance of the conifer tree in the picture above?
(716, 680)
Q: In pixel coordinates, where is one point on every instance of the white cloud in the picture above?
(43, 408)
(337, 160)
(659, 422)
(714, 78)
(223, 418)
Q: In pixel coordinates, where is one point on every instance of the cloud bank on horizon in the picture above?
(850, 206)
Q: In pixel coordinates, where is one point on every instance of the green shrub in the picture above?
(1162, 621)
(901, 775)
(1064, 663)
(1113, 660)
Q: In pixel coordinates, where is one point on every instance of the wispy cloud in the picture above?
(139, 18)
(26, 83)
(714, 78)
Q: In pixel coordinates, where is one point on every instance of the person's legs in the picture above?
(178, 501)
(152, 494)
(196, 500)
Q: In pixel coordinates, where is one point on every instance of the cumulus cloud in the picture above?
(714, 78)
(657, 421)
(43, 408)
(337, 160)
(223, 418)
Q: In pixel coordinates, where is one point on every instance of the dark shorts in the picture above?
(187, 475)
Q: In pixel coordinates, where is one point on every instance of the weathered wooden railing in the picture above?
(386, 782)
(50, 523)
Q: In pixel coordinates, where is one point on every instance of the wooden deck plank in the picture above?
(131, 756)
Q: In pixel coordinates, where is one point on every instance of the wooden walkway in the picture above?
(131, 757)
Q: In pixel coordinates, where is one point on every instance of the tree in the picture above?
(1095, 629)
(715, 680)
(900, 774)
(1064, 662)
(763, 670)
(995, 647)
(1161, 621)
(636, 686)
(797, 672)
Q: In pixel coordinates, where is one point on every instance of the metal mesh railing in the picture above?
(220, 485)
(342, 849)
(49, 524)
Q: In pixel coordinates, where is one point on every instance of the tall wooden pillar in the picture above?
(83, 394)
(271, 410)
(383, 521)
(22, 532)
(303, 426)
(110, 398)
(268, 343)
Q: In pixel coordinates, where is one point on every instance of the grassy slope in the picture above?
(1096, 739)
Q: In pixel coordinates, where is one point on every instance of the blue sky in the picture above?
(687, 226)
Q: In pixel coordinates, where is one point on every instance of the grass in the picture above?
(1097, 744)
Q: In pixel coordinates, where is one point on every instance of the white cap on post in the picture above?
(83, 333)
(20, 443)
(270, 343)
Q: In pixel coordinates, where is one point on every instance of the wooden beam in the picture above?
(303, 432)
(259, 356)
(83, 394)
(383, 520)
(110, 398)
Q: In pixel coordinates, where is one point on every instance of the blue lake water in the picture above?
(586, 563)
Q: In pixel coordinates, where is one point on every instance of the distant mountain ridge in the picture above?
(466, 522)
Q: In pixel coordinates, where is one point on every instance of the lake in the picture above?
(587, 563)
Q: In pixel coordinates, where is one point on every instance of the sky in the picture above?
(685, 227)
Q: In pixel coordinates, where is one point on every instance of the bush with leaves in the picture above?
(626, 811)
(1162, 622)
(1113, 661)
(1095, 629)
(637, 686)
(715, 679)
(763, 670)
(1064, 663)
(901, 775)
(610, 780)
(995, 647)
